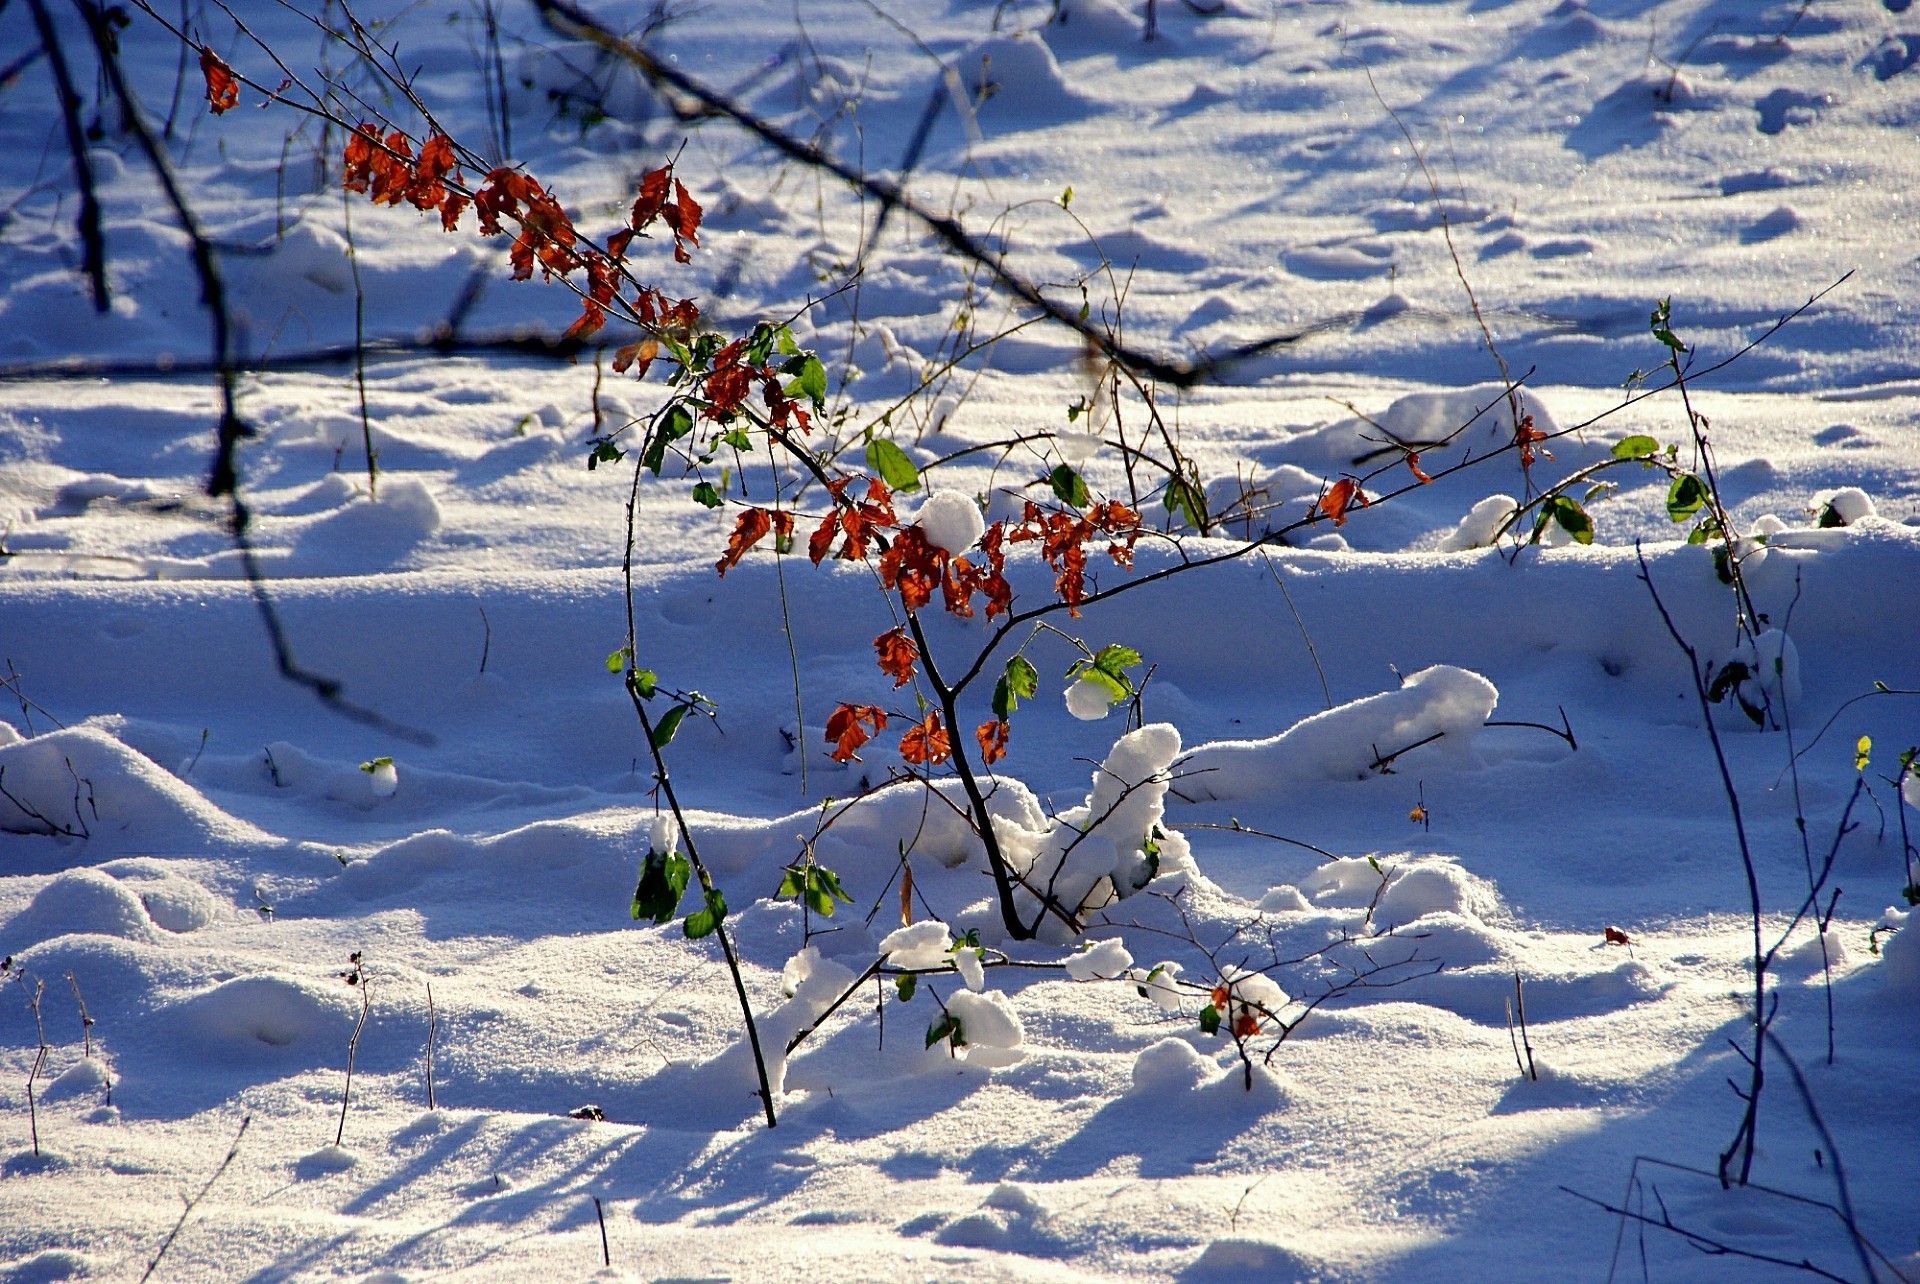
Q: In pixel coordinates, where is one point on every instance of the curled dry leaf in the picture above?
(1341, 496)
(223, 87)
(851, 726)
(897, 655)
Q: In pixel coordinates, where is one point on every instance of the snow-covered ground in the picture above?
(191, 843)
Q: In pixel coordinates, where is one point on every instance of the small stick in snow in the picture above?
(188, 1210)
(433, 1028)
(606, 1253)
(357, 976)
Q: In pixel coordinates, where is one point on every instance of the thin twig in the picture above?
(187, 1212)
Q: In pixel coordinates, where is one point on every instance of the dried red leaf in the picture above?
(636, 357)
(851, 726)
(591, 319)
(223, 87)
(1617, 937)
(1341, 496)
(993, 741)
(654, 188)
(1526, 436)
(1413, 464)
(427, 189)
(913, 567)
(926, 743)
(392, 167)
(361, 147)
(1246, 1025)
(897, 655)
(752, 527)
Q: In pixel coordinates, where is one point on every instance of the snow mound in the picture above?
(47, 1266)
(120, 791)
(82, 901)
(989, 1025)
(729, 1082)
(86, 1077)
(1112, 845)
(1435, 887)
(1241, 1259)
(265, 1015)
(1018, 80)
(1342, 743)
(1482, 522)
(1169, 1066)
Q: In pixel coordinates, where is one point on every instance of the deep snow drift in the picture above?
(1385, 752)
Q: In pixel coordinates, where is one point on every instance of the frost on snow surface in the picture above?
(191, 854)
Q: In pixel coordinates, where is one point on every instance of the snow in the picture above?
(1088, 700)
(951, 521)
(917, 946)
(1443, 707)
(1401, 749)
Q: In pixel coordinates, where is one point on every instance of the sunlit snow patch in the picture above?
(1440, 710)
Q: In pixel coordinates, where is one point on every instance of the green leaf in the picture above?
(1638, 446)
(704, 922)
(891, 462)
(1687, 496)
(375, 765)
(1722, 564)
(1018, 682)
(1117, 688)
(1115, 660)
(829, 882)
(1209, 1020)
(737, 438)
(1066, 197)
(673, 425)
(813, 382)
(616, 660)
(904, 986)
(1661, 323)
(663, 880)
(706, 496)
(1186, 499)
(646, 682)
(1068, 486)
(604, 452)
(1727, 680)
(1863, 753)
(789, 886)
(1573, 519)
(946, 1028)
(663, 730)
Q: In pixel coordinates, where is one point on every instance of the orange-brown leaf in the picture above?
(752, 527)
(223, 87)
(1526, 436)
(851, 726)
(993, 741)
(654, 187)
(1413, 464)
(636, 357)
(591, 319)
(897, 655)
(428, 187)
(925, 744)
(1341, 496)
